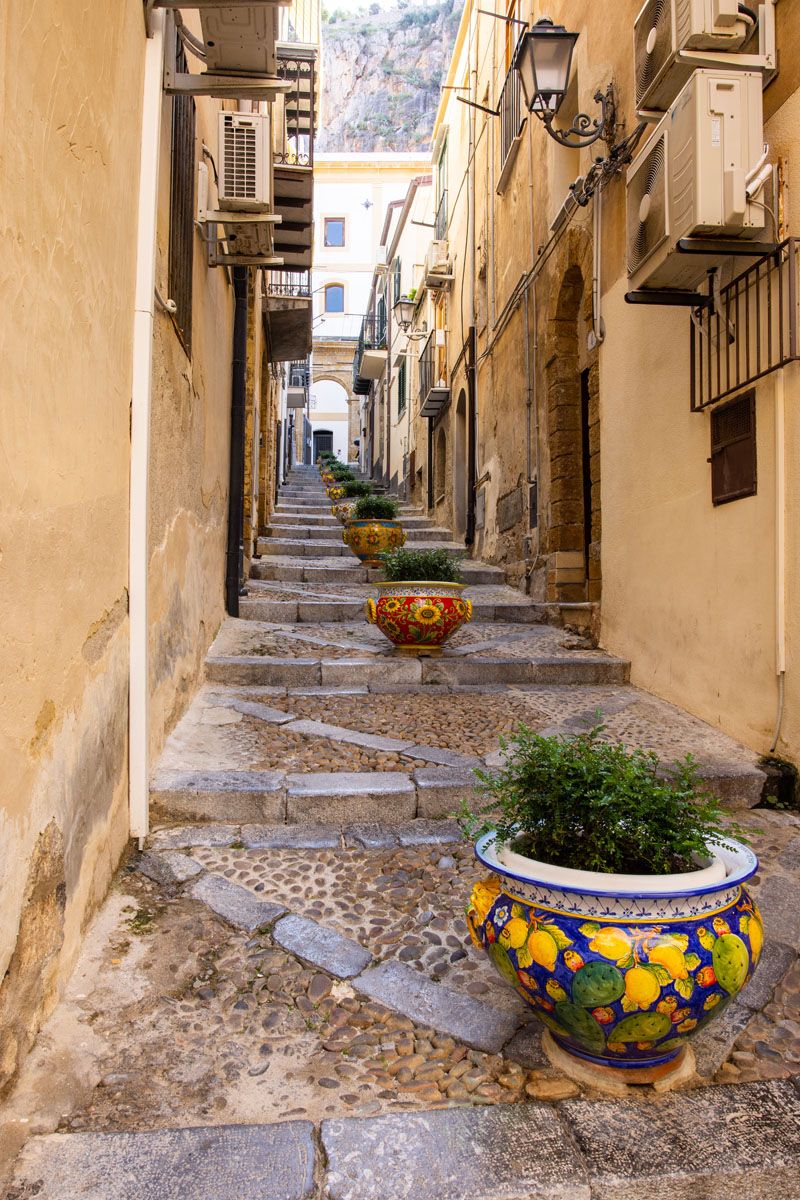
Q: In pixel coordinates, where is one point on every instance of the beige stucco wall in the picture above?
(190, 438)
(69, 148)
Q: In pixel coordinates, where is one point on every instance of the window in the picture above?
(397, 289)
(181, 209)
(334, 231)
(440, 223)
(513, 31)
(733, 449)
(334, 298)
(402, 388)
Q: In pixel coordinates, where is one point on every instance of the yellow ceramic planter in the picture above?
(368, 539)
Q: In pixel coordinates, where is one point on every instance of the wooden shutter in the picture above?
(733, 449)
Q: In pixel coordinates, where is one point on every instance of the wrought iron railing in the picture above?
(750, 332)
(511, 119)
(294, 145)
(440, 221)
(427, 367)
(371, 337)
(299, 373)
(291, 284)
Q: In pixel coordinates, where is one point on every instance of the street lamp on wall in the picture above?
(544, 59)
(403, 310)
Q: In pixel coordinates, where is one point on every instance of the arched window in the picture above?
(440, 464)
(334, 298)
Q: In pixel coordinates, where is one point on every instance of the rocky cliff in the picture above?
(382, 71)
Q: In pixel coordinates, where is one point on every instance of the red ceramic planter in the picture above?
(419, 617)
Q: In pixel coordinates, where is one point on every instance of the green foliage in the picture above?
(435, 566)
(341, 473)
(374, 508)
(356, 487)
(596, 806)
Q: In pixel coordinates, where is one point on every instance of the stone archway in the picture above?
(573, 442)
(333, 362)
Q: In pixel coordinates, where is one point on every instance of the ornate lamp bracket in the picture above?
(584, 131)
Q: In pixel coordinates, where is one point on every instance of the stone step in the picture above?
(327, 520)
(259, 607)
(306, 547)
(416, 533)
(289, 570)
(452, 670)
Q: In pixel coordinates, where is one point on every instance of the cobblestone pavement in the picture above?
(253, 977)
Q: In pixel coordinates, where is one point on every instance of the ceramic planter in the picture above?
(622, 969)
(342, 509)
(334, 492)
(326, 477)
(367, 539)
(419, 616)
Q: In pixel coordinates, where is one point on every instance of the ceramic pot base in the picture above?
(617, 1081)
(420, 651)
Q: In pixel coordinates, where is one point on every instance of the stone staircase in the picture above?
(294, 1011)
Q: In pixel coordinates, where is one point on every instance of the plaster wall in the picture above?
(70, 96)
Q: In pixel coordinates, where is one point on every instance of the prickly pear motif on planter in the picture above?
(416, 615)
(368, 539)
(623, 994)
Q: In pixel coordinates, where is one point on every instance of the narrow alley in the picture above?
(280, 997)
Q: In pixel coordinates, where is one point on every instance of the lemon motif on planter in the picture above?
(543, 948)
(611, 943)
(731, 962)
(597, 984)
(642, 989)
(514, 933)
(671, 958)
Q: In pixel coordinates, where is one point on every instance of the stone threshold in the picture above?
(711, 1142)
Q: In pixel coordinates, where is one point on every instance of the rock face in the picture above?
(381, 73)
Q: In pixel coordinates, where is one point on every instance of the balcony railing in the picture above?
(294, 143)
(434, 390)
(299, 373)
(440, 221)
(371, 337)
(511, 119)
(291, 285)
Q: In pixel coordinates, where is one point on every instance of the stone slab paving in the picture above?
(324, 948)
(239, 1162)
(235, 904)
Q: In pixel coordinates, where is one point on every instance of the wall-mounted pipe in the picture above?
(236, 472)
(141, 396)
(780, 549)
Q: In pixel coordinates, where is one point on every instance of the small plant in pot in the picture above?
(340, 476)
(372, 527)
(420, 605)
(352, 490)
(615, 903)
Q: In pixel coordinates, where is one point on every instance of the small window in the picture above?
(733, 449)
(402, 388)
(334, 231)
(334, 298)
(397, 281)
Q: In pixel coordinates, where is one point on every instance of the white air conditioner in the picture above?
(245, 162)
(691, 179)
(665, 30)
(437, 264)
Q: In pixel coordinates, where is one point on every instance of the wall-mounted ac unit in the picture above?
(437, 264)
(245, 162)
(691, 177)
(672, 38)
(296, 397)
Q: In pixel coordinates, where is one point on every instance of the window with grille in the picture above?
(733, 449)
(397, 290)
(181, 208)
(402, 388)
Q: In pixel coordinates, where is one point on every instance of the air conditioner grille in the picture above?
(240, 159)
(647, 208)
(654, 28)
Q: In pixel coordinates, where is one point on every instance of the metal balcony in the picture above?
(369, 360)
(434, 390)
(293, 155)
(288, 315)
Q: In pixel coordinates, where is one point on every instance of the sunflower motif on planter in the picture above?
(392, 604)
(419, 616)
(427, 612)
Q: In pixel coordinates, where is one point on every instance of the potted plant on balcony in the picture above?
(372, 527)
(420, 605)
(352, 490)
(615, 902)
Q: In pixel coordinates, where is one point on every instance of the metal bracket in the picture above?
(726, 247)
(669, 298)
(213, 215)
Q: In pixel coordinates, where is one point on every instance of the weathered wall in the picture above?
(190, 439)
(69, 148)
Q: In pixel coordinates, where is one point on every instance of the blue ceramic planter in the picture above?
(622, 970)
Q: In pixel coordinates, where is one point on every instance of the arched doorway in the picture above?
(323, 440)
(573, 444)
(330, 416)
(460, 472)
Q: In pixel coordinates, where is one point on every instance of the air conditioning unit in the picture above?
(691, 179)
(437, 264)
(245, 162)
(664, 29)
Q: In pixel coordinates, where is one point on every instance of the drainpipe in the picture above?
(430, 464)
(472, 366)
(236, 476)
(780, 549)
(141, 394)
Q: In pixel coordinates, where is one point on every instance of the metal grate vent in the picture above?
(240, 159)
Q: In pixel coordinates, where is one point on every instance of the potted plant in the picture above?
(372, 527)
(340, 475)
(420, 604)
(615, 902)
(352, 490)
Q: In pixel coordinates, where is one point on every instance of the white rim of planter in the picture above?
(731, 863)
(420, 583)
